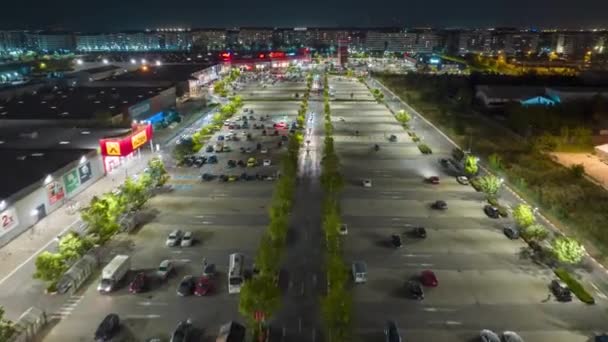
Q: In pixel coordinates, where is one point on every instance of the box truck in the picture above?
(113, 273)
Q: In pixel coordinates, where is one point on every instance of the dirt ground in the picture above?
(596, 169)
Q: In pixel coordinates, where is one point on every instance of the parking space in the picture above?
(224, 218)
(485, 280)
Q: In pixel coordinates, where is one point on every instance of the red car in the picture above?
(433, 180)
(203, 286)
(138, 284)
(428, 278)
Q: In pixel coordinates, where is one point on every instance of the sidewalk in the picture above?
(38, 238)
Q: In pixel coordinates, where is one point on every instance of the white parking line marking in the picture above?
(149, 303)
(416, 255)
(453, 323)
(207, 222)
(142, 316)
(418, 265)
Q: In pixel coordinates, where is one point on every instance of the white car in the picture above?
(264, 151)
(187, 239)
(462, 180)
(367, 183)
(511, 336)
(174, 238)
(343, 230)
(164, 269)
(488, 336)
(267, 162)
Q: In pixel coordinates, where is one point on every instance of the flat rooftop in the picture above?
(166, 72)
(71, 103)
(55, 138)
(31, 166)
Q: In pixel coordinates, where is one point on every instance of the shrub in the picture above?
(578, 170)
(523, 215)
(575, 286)
(534, 232)
(568, 250)
(475, 184)
(425, 149)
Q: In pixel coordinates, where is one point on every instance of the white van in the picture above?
(359, 272)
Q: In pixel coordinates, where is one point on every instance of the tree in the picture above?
(133, 194)
(72, 246)
(49, 266)
(403, 117)
(268, 258)
(156, 169)
(568, 250)
(101, 216)
(7, 327)
(578, 170)
(535, 232)
(495, 162)
(523, 215)
(470, 165)
(260, 293)
(490, 185)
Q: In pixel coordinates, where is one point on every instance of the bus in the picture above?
(236, 270)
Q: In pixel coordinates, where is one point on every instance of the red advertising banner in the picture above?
(126, 145)
(55, 192)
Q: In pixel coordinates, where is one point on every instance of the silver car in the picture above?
(511, 336)
(174, 238)
(488, 336)
(187, 239)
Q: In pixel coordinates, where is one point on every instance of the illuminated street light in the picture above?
(79, 61)
(133, 61)
(158, 63)
(105, 61)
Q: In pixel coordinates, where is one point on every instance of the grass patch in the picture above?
(425, 149)
(575, 286)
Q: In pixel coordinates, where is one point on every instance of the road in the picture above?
(486, 281)
(224, 217)
(299, 320)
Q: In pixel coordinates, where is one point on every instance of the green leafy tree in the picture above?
(578, 170)
(523, 215)
(260, 293)
(133, 195)
(568, 250)
(7, 327)
(101, 216)
(403, 117)
(269, 256)
(535, 232)
(490, 185)
(72, 246)
(156, 169)
(470, 165)
(49, 266)
(495, 162)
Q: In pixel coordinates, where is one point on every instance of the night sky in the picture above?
(128, 14)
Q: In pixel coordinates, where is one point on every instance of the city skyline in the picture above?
(113, 15)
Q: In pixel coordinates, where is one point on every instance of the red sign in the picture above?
(258, 316)
(126, 145)
(8, 220)
(55, 192)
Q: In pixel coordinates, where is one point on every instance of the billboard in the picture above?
(71, 181)
(8, 220)
(55, 192)
(126, 145)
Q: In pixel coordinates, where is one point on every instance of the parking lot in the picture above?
(224, 217)
(485, 281)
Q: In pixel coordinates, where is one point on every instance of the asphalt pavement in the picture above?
(486, 281)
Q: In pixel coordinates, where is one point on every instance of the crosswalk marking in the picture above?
(66, 309)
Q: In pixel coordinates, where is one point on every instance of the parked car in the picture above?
(511, 336)
(428, 278)
(439, 205)
(343, 230)
(367, 183)
(491, 211)
(209, 149)
(186, 286)
(487, 335)
(396, 241)
(212, 159)
(108, 328)
(444, 162)
(433, 180)
(183, 332)
(231, 163)
(251, 162)
(561, 290)
(264, 150)
(207, 177)
(174, 238)
(420, 232)
(187, 239)
(241, 163)
(392, 138)
(391, 332)
(203, 286)
(164, 269)
(267, 162)
(464, 180)
(414, 290)
(511, 232)
(139, 283)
